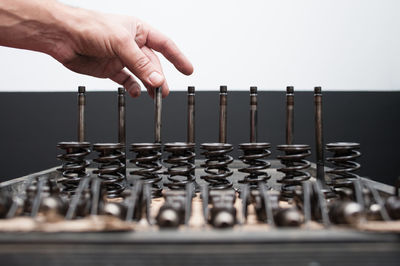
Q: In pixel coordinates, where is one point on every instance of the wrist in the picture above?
(63, 19)
(72, 26)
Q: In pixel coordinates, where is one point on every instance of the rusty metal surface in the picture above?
(81, 113)
(223, 101)
(253, 114)
(191, 115)
(289, 114)
(121, 116)
(319, 141)
(157, 114)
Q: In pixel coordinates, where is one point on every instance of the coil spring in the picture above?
(216, 165)
(147, 160)
(181, 158)
(74, 164)
(253, 153)
(111, 169)
(344, 154)
(294, 161)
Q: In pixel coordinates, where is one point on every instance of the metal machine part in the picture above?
(181, 169)
(81, 113)
(148, 165)
(52, 205)
(253, 155)
(148, 155)
(111, 167)
(176, 209)
(343, 160)
(73, 160)
(289, 114)
(392, 203)
(157, 114)
(223, 101)
(86, 200)
(222, 213)
(74, 164)
(266, 205)
(313, 203)
(217, 165)
(346, 212)
(122, 125)
(294, 158)
(253, 114)
(6, 201)
(191, 115)
(319, 142)
(217, 159)
(121, 116)
(191, 124)
(254, 152)
(294, 165)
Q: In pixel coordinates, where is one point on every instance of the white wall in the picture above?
(338, 44)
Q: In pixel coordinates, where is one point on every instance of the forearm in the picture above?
(37, 25)
(91, 43)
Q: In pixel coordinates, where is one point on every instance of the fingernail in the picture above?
(156, 79)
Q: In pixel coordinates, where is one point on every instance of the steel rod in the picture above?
(222, 113)
(121, 116)
(319, 138)
(81, 113)
(253, 114)
(191, 117)
(289, 114)
(157, 112)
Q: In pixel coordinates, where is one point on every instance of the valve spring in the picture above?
(344, 154)
(295, 163)
(148, 156)
(73, 164)
(216, 165)
(181, 158)
(111, 169)
(253, 155)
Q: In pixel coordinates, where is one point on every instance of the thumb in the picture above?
(139, 64)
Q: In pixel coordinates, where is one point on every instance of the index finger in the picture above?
(161, 43)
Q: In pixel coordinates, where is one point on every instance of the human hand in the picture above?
(102, 45)
(92, 43)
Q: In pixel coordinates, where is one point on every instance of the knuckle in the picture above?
(122, 39)
(141, 34)
(141, 64)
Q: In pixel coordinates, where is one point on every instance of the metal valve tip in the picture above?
(289, 89)
(317, 90)
(253, 89)
(81, 89)
(191, 89)
(353, 212)
(223, 89)
(168, 218)
(112, 209)
(49, 203)
(289, 218)
(121, 90)
(223, 220)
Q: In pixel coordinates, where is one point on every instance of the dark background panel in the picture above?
(33, 123)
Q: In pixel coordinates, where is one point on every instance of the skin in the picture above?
(117, 47)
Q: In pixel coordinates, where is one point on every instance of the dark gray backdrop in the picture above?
(33, 123)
